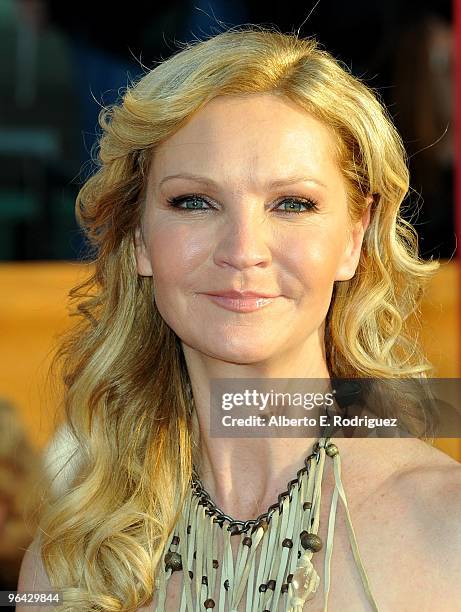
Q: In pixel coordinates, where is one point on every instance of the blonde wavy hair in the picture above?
(128, 397)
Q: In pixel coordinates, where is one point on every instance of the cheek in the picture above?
(175, 252)
(314, 257)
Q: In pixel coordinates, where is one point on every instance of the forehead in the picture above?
(249, 136)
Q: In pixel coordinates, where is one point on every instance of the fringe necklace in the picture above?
(286, 534)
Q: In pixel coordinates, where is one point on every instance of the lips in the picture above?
(241, 295)
(241, 301)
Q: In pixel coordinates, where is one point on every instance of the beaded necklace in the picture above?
(286, 534)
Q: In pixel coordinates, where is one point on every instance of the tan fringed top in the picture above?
(284, 576)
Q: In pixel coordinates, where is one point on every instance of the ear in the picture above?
(143, 264)
(351, 256)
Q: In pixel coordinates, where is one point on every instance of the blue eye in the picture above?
(195, 202)
(192, 202)
(296, 203)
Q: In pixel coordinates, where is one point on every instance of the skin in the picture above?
(245, 240)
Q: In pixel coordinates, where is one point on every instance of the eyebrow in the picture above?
(289, 180)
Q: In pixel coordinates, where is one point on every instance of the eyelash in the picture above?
(308, 202)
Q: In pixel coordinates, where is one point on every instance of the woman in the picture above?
(247, 163)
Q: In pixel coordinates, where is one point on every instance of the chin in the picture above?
(238, 352)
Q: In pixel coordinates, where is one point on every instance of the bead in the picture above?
(287, 543)
(205, 580)
(300, 581)
(175, 540)
(234, 530)
(209, 603)
(284, 588)
(331, 450)
(262, 588)
(304, 583)
(191, 574)
(188, 528)
(215, 564)
(173, 561)
(311, 541)
(307, 505)
(271, 585)
(247, 541)
(289, 578)
(226, 584)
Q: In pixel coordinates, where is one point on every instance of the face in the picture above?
(247, 197)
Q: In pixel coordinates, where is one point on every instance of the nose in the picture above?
(243, 240)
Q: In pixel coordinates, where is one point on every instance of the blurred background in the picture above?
(61, 61)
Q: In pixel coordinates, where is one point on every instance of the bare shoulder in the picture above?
(432, 472)
(429, 480)
(430, 491)
(32, 576)
(410, 525)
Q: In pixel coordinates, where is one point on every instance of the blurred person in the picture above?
(22, 482)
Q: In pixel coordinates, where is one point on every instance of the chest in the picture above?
(392, 552)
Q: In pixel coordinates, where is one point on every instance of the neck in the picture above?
(244, 476)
